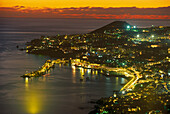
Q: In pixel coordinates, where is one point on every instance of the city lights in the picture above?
(128, 26)
(116, 49)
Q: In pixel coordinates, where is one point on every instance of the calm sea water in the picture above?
(60, 91)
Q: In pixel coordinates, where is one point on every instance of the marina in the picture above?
(107, 71)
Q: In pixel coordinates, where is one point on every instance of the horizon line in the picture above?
(110, 7)
(80, 18)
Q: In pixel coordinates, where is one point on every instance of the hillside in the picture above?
(113, 25)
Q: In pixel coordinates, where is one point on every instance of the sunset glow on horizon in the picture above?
(107, 9)
(85, 3)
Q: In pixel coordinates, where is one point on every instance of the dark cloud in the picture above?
(116, 11)
(19, 7)
(90, 12)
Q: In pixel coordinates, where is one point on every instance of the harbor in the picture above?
(106, 71)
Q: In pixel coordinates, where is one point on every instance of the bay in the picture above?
(60, 91)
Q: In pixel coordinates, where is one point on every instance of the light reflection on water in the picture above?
(26, 82)
(73, 74)
(42, 91)
(33, 102)
(58, 90)
(33, 96)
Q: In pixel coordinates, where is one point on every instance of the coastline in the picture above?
(111, 53)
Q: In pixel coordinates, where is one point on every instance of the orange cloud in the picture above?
(87, 12)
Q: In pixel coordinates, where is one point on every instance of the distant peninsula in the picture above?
(117, 39)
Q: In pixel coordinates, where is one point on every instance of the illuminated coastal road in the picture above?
(125, 71)
(131, 83)
(128, 72)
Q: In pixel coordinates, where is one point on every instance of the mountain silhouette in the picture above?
(111, 26)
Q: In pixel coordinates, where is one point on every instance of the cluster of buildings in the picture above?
(41, 71)
(147, 96)
(120, 45)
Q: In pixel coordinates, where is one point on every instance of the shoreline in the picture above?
(121, 49)
(50, 64)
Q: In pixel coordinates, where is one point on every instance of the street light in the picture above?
(138, 36)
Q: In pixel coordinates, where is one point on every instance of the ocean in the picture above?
(60, 91)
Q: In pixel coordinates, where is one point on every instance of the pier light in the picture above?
(128, 26)
(26, 80)
(138, 36)
(134, 26)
